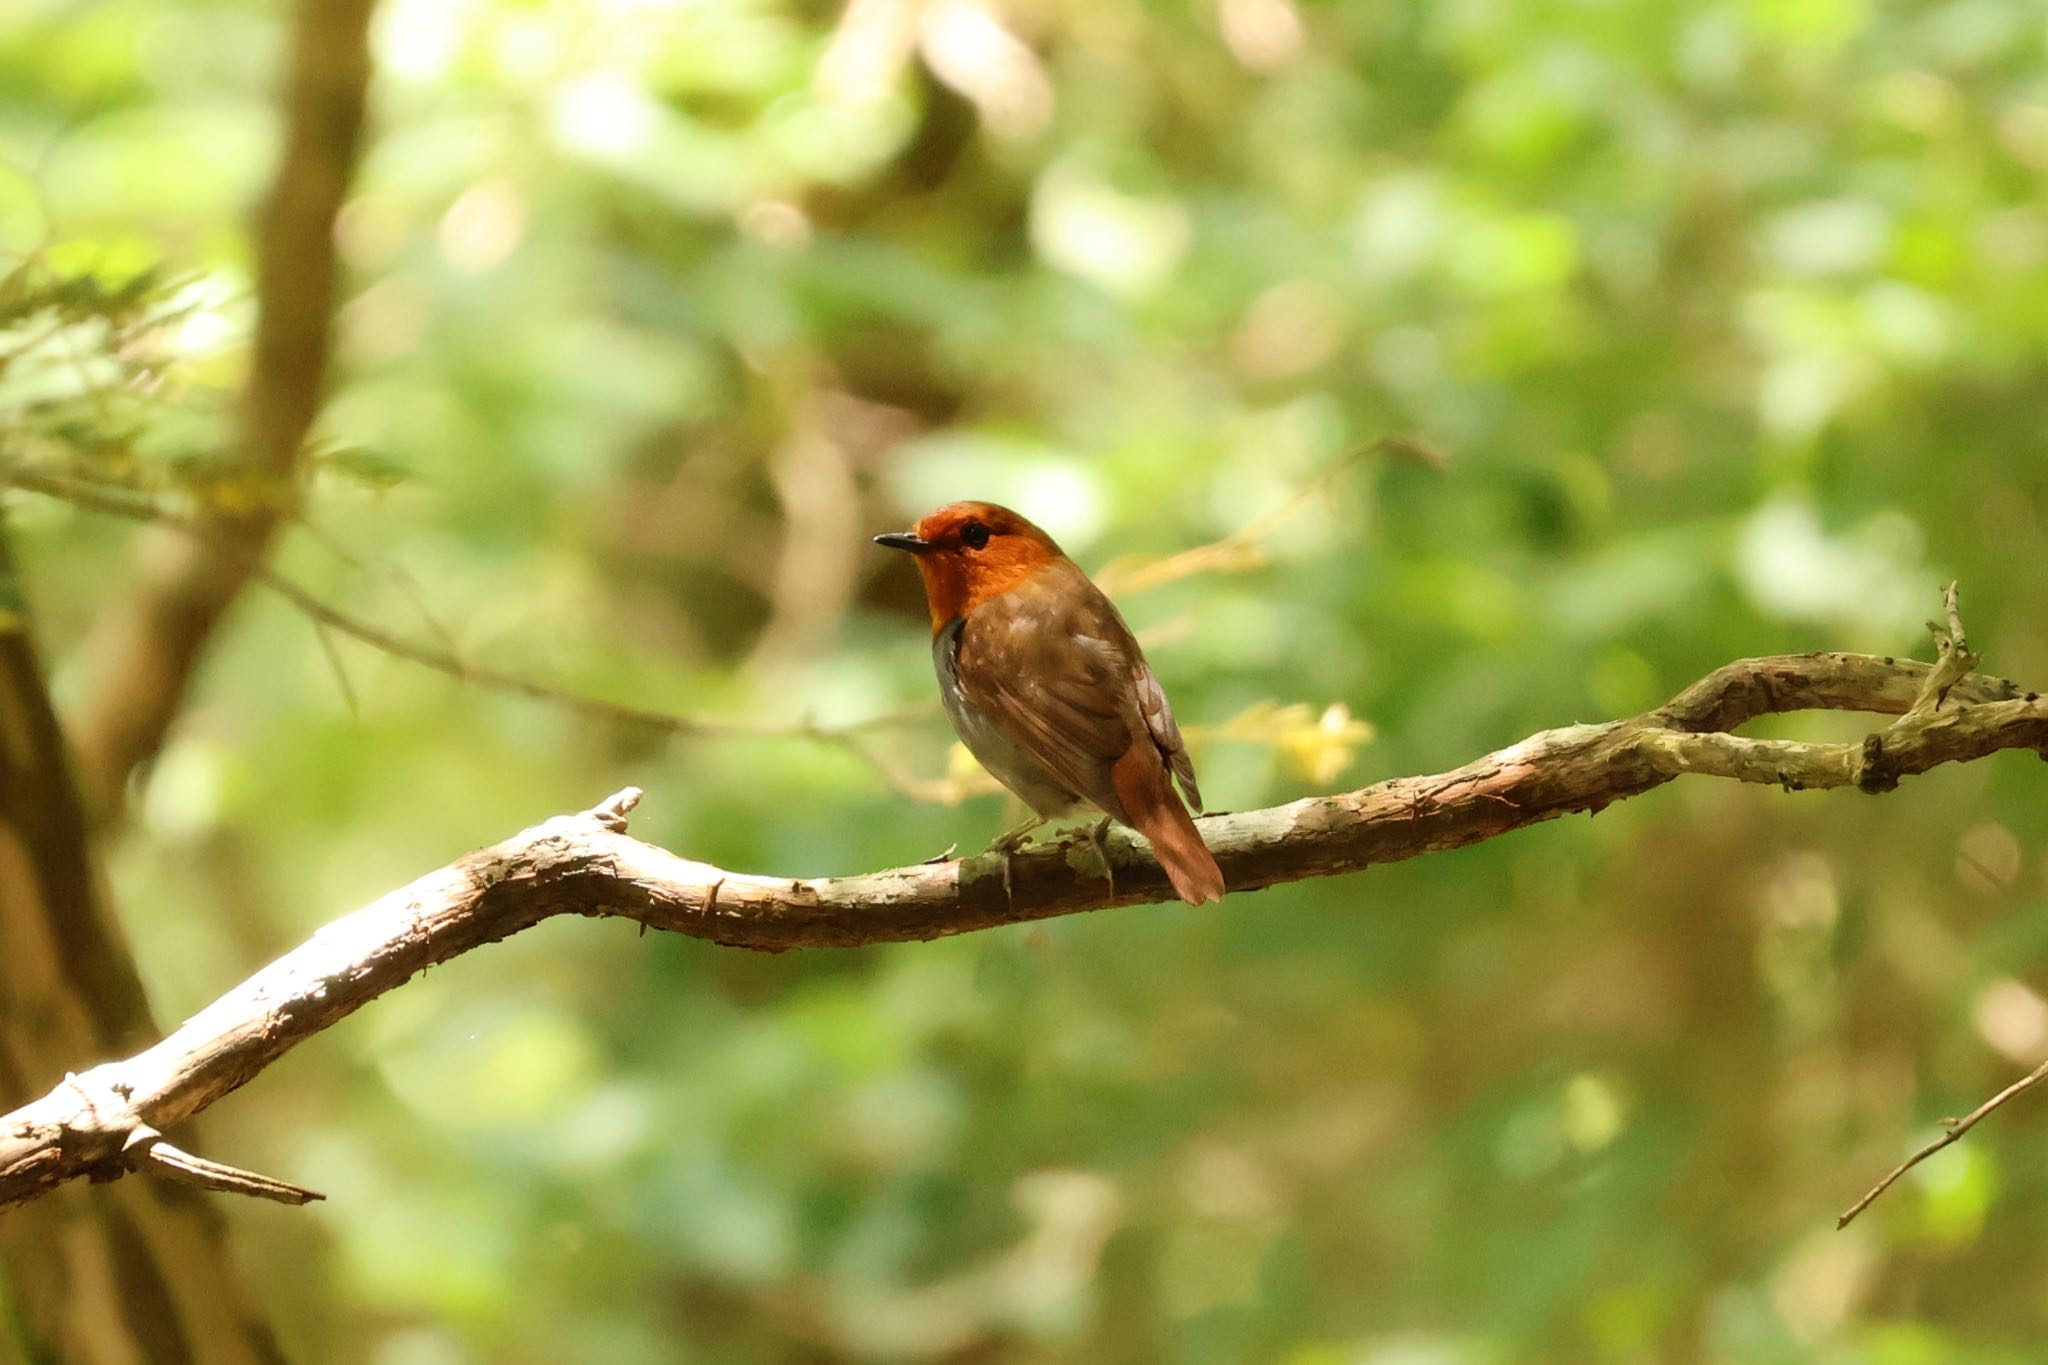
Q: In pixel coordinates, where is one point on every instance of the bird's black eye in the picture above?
(974, 534)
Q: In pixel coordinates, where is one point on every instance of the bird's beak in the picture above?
(904, 540)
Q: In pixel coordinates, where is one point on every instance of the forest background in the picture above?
(1521, 363)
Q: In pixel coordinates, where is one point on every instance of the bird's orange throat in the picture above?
(956, 582)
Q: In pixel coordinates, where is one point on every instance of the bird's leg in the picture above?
(1007, 843)
(1012, 839)
(1096, 834)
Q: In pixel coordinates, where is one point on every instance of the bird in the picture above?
(1047, 688)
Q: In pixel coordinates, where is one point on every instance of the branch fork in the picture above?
(1953, 659)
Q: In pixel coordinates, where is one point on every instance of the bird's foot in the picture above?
(1006, 845)
(1097, 833)
(1010, 840)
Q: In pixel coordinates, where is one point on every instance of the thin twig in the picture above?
(1956, 1128)
(119, 502)
(1955, 617)
(404, 580)
(339, 669)
(1240, 549)
(1953, 659)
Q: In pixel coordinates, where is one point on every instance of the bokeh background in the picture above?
(1707, 329)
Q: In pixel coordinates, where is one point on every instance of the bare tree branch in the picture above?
(586, 865)
(142, 654)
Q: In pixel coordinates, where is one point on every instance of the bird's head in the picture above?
(969, 552)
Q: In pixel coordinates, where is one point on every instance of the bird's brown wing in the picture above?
(1050, 664)
(1158, 714)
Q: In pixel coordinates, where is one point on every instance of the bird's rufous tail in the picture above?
(1152, 808)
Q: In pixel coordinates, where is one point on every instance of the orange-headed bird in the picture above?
(1047, 688)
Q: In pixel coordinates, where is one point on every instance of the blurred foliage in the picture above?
(1711, 329)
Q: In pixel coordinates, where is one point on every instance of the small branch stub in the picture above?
(1953, 659)
(613, 810)
(146, 1149)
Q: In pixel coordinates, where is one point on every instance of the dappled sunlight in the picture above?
(1414, 377)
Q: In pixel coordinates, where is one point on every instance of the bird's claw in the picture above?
(945, 857)
(1097, 833)
(1011, 841)
(1005, 846)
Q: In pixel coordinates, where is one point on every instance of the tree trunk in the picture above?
(133, 1273)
